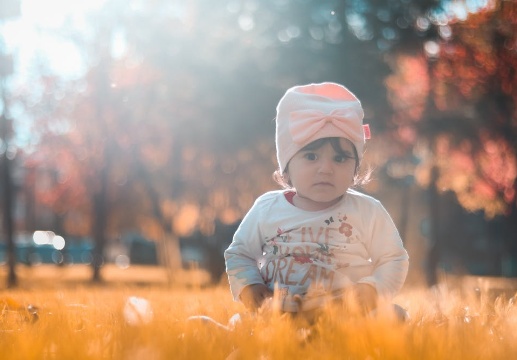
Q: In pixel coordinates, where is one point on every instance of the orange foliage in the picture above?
(475, 69)
(408, 88)
(186, 219)
(483, 179)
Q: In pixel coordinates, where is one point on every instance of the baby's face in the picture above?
(321, 176)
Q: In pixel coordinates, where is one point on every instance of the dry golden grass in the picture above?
(80, 321)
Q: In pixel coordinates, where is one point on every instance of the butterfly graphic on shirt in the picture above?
(324, 250)
(283, 235)
(329, 221)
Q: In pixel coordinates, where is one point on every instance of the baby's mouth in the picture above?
(323, 183)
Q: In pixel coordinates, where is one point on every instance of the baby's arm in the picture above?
(388, 256)
(241, 267)
(242, 262)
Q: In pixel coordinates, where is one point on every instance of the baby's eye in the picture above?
(311, 156)
(342, 158)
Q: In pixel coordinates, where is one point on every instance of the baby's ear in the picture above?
(285, 177)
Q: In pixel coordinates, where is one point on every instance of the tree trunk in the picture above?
(5, 130)
(509, 262)
(405, 201)
(433, 253)
(99, 227)
(168, 247)
(100, 193)
(12, 279)
(169, 254)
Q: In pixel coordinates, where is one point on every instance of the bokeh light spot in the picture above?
(432, 49)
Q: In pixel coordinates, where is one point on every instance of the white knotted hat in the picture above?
(310, 112)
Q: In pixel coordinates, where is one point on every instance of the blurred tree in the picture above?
(455, 97)
(81, 147)
(474, 76)
(7, 156)
(8, 10)
(172, 125)
(131, 145)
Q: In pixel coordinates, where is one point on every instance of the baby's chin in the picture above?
(327, 201)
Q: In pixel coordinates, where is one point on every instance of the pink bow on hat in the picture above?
(304, 124)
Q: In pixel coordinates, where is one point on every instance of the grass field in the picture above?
(56, 314)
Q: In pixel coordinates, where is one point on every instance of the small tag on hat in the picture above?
(366, 129)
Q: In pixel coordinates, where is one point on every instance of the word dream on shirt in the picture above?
(305, 256)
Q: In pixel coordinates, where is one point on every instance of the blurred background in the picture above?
(140, 132)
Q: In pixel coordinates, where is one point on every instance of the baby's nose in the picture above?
(326, 166)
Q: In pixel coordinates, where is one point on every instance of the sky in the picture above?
(32, 34)
(35, 38)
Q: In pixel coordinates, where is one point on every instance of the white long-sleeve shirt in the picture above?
(312, 253)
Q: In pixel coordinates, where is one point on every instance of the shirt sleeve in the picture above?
(244, 252)
(389, 258)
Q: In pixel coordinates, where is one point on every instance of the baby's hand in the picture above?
(366, 296)
(252, 296)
